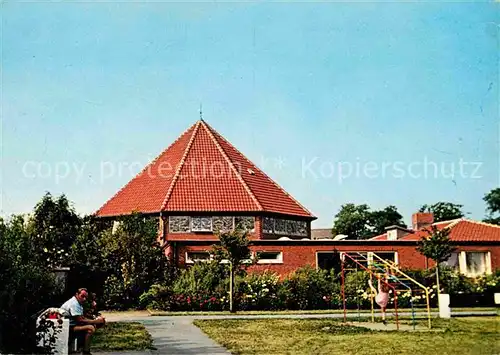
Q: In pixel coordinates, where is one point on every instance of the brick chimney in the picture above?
(421, 220)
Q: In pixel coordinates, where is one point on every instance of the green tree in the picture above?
(89, 268)
(379, 220)
(135, 258)
(54, 227)
(492, 200)
(436, 246)
(352, 220)
(234, 248)
(444, 211)
(26, 287)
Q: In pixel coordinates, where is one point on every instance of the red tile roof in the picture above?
(462, 230)
(202, 172)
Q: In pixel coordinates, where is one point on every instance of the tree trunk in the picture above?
(437, 279)
(231, 288)
(438, 290)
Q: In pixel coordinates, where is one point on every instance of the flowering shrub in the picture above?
(260, 291)
(204, 287)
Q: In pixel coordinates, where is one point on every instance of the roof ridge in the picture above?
(448, 221)
(180, 165)
(231, 165)
(481, 222)
(454, 223)
(144, 169)
(265, 175)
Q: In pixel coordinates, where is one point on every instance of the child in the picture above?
(91, 310)
(382, 296)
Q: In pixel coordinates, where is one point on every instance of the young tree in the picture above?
(436, 246)
(234, 248)
(444, 211)
(352, 220)
(492, 200)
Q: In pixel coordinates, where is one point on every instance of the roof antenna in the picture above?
(201, 112)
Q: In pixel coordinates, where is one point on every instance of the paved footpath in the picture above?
(178, 335)
(171, 335)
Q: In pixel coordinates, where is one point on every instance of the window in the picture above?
(296, 228)
(453, 262)
(222, 224)
(471, 263)
(267, 225)
(201, 224)
(328, 260)
(284, 226)
(302, 228)
(196, 256)
(389, 256)
(246, 223)
(178, 224)
(476, 263)
(270, 257)
(354, 260)
(279, 226)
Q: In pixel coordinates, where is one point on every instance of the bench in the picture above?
(59, 329)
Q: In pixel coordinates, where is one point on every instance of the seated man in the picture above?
(79, 323)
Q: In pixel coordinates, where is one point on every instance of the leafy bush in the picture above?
(309, 288)
(200, 278)
(157, 297)
(135, 261)
(26, 287)
(202, 286)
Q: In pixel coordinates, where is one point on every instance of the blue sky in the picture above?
(300, 88)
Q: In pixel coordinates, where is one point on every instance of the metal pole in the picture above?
(412, 310)
(396, 307)
(231, 286)
(371, 298)
(428, 309)
(343, 288)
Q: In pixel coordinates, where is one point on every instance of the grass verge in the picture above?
(474, 335)
(118, 336)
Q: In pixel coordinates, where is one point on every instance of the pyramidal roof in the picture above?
(202, 172)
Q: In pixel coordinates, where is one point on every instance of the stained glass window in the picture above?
(292, 227)
(280, 226)
(267, 225)
(222, 224)
(302, 228)
(201, 224)
(246, 223)
(178, 224)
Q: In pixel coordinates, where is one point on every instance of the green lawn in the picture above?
(122, 336)
(474, 335)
